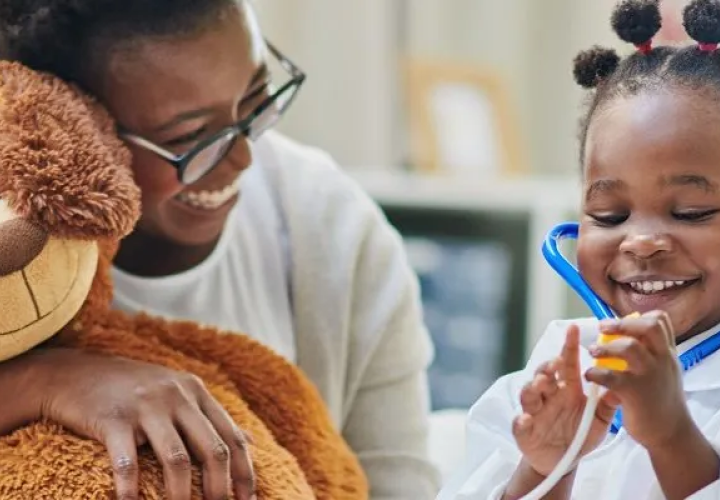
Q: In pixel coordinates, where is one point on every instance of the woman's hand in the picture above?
(124, 404)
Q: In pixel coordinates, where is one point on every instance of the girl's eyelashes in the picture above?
(608, 219)
(695, 215)
(615, 219)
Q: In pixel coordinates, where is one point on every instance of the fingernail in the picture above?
(608, 325)
(594, 350)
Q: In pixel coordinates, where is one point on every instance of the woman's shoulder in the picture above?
(278, 152)
(307, 181)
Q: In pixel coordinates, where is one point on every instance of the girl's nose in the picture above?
(644, 245)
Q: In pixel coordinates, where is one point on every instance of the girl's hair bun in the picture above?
(702, 21)
(636, 21)
(594, 65)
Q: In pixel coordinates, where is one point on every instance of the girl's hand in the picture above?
(650, 390)
(553, 404)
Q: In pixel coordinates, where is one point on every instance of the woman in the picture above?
(289, 251)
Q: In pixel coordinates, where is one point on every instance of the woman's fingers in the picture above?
(172, 455)
(209, 448)
(122, 449)
(241, 468)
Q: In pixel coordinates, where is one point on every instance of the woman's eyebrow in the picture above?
(261, 73)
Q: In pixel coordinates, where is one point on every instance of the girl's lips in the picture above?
(642, 301)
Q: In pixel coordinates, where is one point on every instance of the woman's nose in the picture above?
(644, 245)
(240, 155)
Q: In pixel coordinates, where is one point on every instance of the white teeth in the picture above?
(210, 200)
(650, 287)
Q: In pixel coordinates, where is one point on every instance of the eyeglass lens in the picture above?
(208, 157)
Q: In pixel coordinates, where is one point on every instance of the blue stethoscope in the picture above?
(599, 308)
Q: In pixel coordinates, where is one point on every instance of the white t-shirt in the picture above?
(619, 469)
(242, 286)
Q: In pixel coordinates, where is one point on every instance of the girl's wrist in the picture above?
(683, 431)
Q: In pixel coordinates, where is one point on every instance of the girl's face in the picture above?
(174, 93)
(650, 230)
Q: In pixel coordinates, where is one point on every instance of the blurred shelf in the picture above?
(389, 186)
(545, 201)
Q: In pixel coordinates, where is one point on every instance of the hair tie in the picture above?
(645, 47)
(707, 47)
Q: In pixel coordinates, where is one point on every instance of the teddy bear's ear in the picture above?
(61, 163)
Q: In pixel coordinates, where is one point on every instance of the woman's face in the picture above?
(174, 93)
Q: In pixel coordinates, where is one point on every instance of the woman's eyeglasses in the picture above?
(202, 158)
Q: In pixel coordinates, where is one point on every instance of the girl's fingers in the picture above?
(630, 349)
(654, 329)
(569, 368)
(531, 399)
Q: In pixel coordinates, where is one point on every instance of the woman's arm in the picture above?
(20, 378)
(388, 421)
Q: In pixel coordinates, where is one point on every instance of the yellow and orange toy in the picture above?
(612, 363)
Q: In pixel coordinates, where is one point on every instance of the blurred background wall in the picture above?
(352, 49)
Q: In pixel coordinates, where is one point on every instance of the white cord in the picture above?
(566, 462)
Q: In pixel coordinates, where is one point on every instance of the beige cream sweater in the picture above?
(310, 266)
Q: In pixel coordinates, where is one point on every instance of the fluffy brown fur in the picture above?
(62, 167)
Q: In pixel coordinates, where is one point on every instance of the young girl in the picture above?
(649, 243)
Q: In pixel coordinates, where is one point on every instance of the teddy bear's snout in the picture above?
(20, 242)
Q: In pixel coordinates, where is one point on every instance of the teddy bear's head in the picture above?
(66, 198)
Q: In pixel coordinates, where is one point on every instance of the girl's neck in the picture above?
(699, 329)
(148, 256)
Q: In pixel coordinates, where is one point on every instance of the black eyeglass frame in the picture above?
(243, 127)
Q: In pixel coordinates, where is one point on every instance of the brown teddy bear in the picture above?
(66, 199)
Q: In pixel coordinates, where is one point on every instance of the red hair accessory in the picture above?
(645, 47)
(707, 47)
